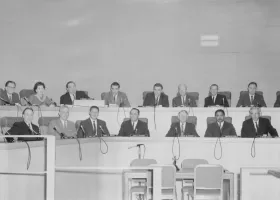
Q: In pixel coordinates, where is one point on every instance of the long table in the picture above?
(236, 154)
(158, 122)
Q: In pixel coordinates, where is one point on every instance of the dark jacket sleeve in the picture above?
(272, 130)
(226, 101)
(147, 132)
(263, 104)
(174, 103)
(121, 131)
(240, 101)
(232, 131)
(193, 131)
(165, 103)
(243, 130)
(205, 102)
(125, 100)
(172, 131)
(104, 127)
(277, 102)
(145, 103)
(61, 99)
(208, 132)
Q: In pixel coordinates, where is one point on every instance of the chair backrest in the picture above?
(77, 124)
(103, 95)
(9, 121)
(264, 116)
(211, 120)
(44, 124)
(192, 163)
(246, 92)
(277, 93)
(168, 177)
(142, 162)
(208, 177)
(191, 119)
(142, 119)
(145, 94)
(86, 92)
(26, 93)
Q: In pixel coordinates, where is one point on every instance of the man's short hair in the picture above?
(220, 110)
(27, 108)
(253, 83)
(255, 108)
(93, 107)
(62, 107)
(158, 85)
(214, 85)
(39, 84)
(8, 82)
(184, 112)
(182, 84)
(136, 110)
(69, 83)
(115, 84)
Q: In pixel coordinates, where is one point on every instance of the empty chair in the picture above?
(277, 102)
(168, 181)
(25, 93)
(44, 124)
(211, 120)
(141, 189)
(191, 119)
(208, 183)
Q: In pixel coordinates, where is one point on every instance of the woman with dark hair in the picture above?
(39, 98)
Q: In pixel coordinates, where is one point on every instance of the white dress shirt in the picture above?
(94, 122)
(134, 124)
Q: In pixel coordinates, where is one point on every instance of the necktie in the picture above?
(114, 99)
(182, 129)
(214, 100)
(10, 98)
(183, 101)
(133, 125)
(157, 101)
(65, 124)
(94, 127)
(30, 127)
(252, 99)
(257, 127)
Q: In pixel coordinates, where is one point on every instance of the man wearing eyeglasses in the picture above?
(9, 96)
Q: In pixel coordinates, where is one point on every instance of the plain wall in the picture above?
(139, 43)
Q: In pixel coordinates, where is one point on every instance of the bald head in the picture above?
(182, 89)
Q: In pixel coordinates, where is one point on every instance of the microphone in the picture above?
(138, 145)
(62, 135)
(81, 126)
(224, 101)
(103, 132)
(7, 102)
(28, 102)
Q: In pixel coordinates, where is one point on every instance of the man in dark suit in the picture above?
(72, 94)
(25, 127)
(257, 126)
(8, 96)
(156, 98)
(182, 99)
(251, 98)
(182, 128)
(134, 126)
(215, 99)
(93, 127)
(277, 102)
(220, 128)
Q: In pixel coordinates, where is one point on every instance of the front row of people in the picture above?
(255, 126)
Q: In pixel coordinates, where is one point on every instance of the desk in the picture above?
(115, 116)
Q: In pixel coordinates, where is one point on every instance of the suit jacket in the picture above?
(69, 131)
(66, 99)
(277, 102)
(150, 100)
(244, 100)
(177, 102)
(213, 130)
(248, 129)
(140, 129)
(88, 127)
(4, 95)
(220, 100)
(121, 99)
(175, 129)
(21, 128)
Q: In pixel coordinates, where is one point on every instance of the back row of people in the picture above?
(115, 96)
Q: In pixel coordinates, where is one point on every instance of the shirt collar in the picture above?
(222, 123)
(134, 122)
(93, 120)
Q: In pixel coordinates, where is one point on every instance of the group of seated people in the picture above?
(116, 97)
(62, 128)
